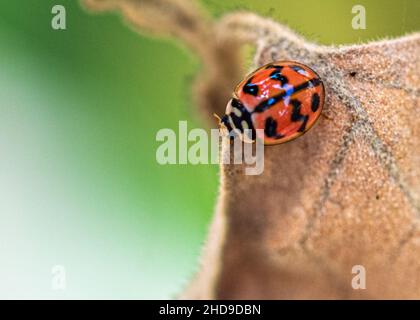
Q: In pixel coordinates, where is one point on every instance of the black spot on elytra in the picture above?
(276, 75)
(296, 68)
(305, 121)
(315, 102)
(271, 101)
(297, 116)
(270, 129)
(250, 88)
(274, 66)
(266, 104)
(307, 84)
(353, 73)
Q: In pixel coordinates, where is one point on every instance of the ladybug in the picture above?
(283, 98)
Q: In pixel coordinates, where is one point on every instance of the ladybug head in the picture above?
(237, 121)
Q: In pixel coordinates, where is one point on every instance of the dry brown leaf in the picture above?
(346, 193)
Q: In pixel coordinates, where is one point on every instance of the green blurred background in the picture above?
(79, 111)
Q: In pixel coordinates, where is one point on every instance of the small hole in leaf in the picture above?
(353, 74)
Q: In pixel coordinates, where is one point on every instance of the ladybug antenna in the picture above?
(218, 118)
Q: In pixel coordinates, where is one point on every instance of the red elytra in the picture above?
(283, 98)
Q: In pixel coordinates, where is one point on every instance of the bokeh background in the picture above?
(79, 111)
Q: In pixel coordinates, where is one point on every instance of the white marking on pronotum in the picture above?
(231, 122)
(244, 124)
(229, 107)
(237, 112)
